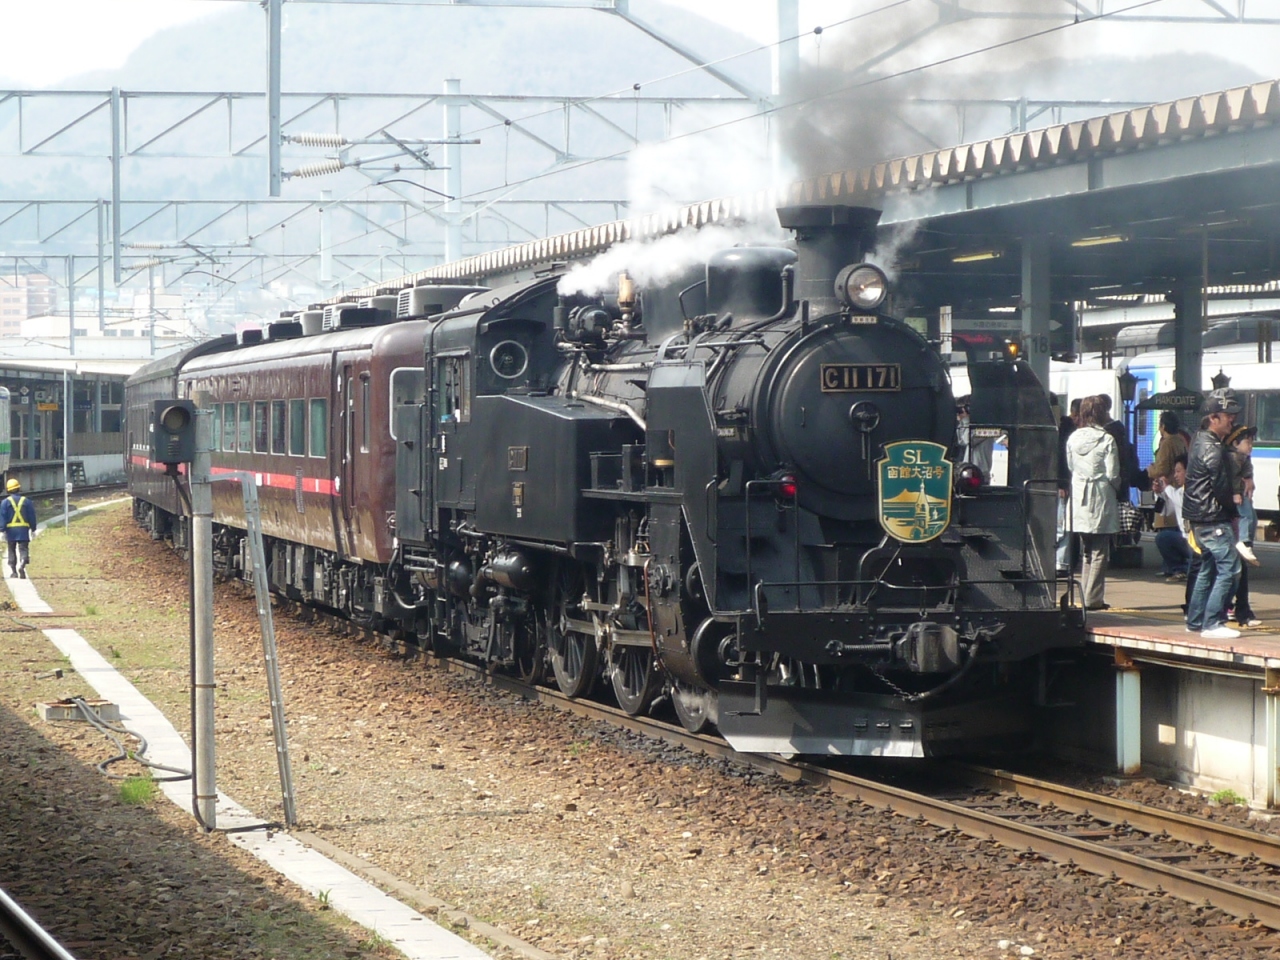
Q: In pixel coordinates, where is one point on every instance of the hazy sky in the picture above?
(69, 37)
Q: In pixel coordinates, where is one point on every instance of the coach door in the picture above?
(342, 463)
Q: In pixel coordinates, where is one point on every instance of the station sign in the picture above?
(1173, 400)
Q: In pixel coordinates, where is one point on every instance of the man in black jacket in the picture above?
(1208, 507)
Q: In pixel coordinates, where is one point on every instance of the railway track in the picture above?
(1196, 860)
(24, 935)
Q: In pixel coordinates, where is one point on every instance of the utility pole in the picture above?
(453, 164)
(66, 451)
(151, 306)
(786, 52)
(71, 304)
(102, 281)
(206, 789)
(115, 183)
(273, 94)
(786, 68)
(326, 254)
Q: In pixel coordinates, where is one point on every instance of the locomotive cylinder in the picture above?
(511, 569)
(459, 578)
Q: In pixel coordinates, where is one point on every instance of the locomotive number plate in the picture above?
(859, 377)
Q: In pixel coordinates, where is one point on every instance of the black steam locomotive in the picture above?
(737, 492)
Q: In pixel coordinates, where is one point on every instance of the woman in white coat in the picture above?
(1095, 474)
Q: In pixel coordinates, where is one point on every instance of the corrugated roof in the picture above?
(1208, 115)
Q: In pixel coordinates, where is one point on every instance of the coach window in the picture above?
(246, 427)
(455, 394)
(279, 422)
(366, 413)
(320, 428)
(297, 428)
(216, 420)
(228, 427)
(1268, 418)
(261, 427)
(407, 386)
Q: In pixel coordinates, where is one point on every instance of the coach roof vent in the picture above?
(284, 329)
(249, 336)
(347, 316)
(427, 300)
(312, 322)
(384, 304)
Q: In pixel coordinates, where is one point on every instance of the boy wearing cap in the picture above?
(1209, 507)
(1239, 444)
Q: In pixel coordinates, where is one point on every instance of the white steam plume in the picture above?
(654, 262)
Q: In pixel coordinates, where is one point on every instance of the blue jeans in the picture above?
(1219, 572)
(1175, 552)
(1063, 541)
(1248, 521)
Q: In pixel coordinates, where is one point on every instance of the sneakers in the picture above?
(1246, 551)
(1176, 578)
(1220, 633)
(1251, 622)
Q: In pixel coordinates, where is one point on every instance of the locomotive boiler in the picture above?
(738, 494)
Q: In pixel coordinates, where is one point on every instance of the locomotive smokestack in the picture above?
(828, 237)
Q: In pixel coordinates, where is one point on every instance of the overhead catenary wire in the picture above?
(430, 210)
(826, 94)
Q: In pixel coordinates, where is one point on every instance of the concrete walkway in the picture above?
(408, 930)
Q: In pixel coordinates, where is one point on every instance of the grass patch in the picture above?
(137, 791)
(1228, 798)
(146, 634)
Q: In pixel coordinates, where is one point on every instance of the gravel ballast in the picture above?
(578, 838)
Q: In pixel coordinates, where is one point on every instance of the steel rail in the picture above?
(30, 939)
(1187, 885)
(1178, 826)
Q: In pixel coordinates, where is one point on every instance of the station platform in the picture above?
(1154, 699)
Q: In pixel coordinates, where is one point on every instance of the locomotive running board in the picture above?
(798, 721)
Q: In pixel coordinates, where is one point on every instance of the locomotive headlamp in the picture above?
(861, 286)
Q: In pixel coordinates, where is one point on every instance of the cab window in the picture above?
(455, 392)
(408, 385)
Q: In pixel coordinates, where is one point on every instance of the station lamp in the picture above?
(173, 432)
(1128, 384)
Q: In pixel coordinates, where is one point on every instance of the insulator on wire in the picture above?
(321, 169)
(317, 139)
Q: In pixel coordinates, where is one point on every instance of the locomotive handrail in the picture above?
(1027, 493)
(746, 489)
(712, 504)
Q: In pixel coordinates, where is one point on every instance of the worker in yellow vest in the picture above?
(18, 520)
